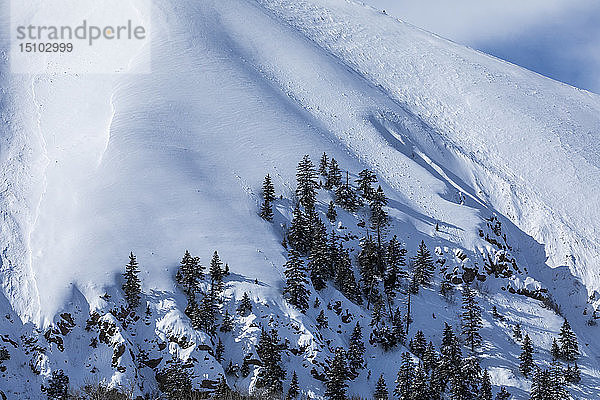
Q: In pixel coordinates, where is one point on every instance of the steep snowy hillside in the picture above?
(489, 164)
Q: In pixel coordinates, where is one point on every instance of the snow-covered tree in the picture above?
(471, 319)
(321, 320)
(294, 389)
(526, 357)
(189, 274)
(132, 286)
(268, 191)
(295, 287)
(227, 324)
(216, 274)
(395, 260)
(307, 183)
(423, 268)
(58, 386)
(245, 307)
(346, 197)
(365, 179)
(486, 387)
(405, 378)
(174, 380)
(219, 350)
(503, 394)
(318, 264)
(569, 348)
(334, 175)
(271, 374)
(337, 375)
(356, 352)
(331, 213)
(324, 165)
(381, 390)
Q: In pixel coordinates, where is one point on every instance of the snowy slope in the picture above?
(96, 166)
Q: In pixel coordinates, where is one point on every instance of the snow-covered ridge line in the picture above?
(531, 139)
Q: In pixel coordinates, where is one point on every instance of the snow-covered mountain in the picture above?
(96, 166)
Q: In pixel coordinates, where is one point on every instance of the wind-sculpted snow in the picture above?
(93, 167)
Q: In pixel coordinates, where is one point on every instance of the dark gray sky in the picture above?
(556, 38)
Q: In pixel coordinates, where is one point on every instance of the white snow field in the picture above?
(95, 166)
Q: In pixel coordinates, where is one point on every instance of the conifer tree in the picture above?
(132, 286)
(192, 310)
(208, 312)
(569, 348)
(423, 267)
(227, 324)
(526, 357)
(294, 389)
(346, 197)
(471, 319)
(381, 332)
(503, 394)
(436, 387)
(379, 220)
(429, 358)
(245, 307)
(450, 356)
(318, 264)
(558, 384)
(323, 165)
(271, 374)
(572, 375)
(364, 181)
(334, 175)
(344, 276)
(517, 333)
(420, 389)
(356, 352)
(216, 274)
(322, 320)
(470, 378)
(446, 289)
(222, 391)
(540, 386)
(189, 274)
(336, 376)
(404, 380)
(331, 213)
(58, 386)
(381, 391)
(419, 344)
(219, 350)
(307, 183)
(395, 268)
(486, 387)
(398, 326)
(266, 209)
(367, 260)
(299, 231)
(174, 380)
(295, 288)
(555, 350)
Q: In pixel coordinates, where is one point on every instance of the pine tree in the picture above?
(558, 384)
(245, 368)
(429, 358)
(447, 289)
(503, 394)
(318, 264)
(192, 310)
(216, 274)
(420, 389)
(405, 378)
(364, 181)
(540, 386)
(334, 175)
(470, 378)
(189, 274)
(222, 391)
(471, 319)
(356, 352)
(423, 267)
(381, 391)
(323, 165)
(336, 376)
(174, 381)
(294, 389)
(367, 260)
(379, 220)
(58, 386)
(219, 350)
(227, 324)
(346, 197)
(381, 332)
(395, 268)
(299, 231)
(271, 374)
(450, 356)
(322, 320)
(436, 387)
(555, 350)
(208, 312)
(307, 183)
(486, 387)
(295, 288)
(245, 307)
(517, 333)
(344, 276)
(132, 286)
(572, 375)
(419, 344)
(266, 209)
(331, 213)
(526, 357)
(569, 349)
